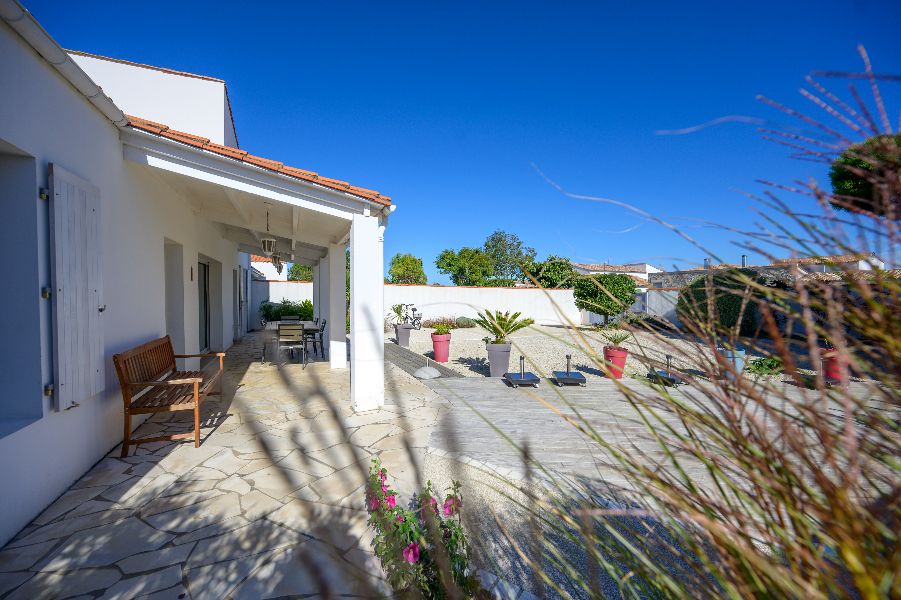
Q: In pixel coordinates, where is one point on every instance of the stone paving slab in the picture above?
(270, 505)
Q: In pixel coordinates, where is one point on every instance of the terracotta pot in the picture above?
(832, 365)
(441, 346)
(615, 357)
(402, 333)
(498, 358)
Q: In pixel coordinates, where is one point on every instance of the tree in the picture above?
(606, 294)
(406, 268)
(554, 272)
(299, 272)
(507, 255)
(469, 266)
(865, 177)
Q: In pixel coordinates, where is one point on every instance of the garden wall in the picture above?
(549, 307)
(662, 303)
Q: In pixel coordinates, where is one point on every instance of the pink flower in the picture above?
(383, 475)
(411, 553)
(400, 518)
(433, 502)
(384, 489)
(391, 501)
(452, 505)
(373, 503)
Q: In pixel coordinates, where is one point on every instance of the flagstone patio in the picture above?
(270, 505)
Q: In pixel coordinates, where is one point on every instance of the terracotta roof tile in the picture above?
(627, 268)
(259, 259)
(266, 163)
(819, 260)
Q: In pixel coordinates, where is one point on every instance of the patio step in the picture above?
(409, 361)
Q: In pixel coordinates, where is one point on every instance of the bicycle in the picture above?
(411, 317)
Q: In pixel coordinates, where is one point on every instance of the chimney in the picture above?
(744, 261)
(706, 263)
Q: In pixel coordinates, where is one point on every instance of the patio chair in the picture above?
(289, 318)
(314, 338)
(290, 337)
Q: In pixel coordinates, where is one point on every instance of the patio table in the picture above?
(270, 345)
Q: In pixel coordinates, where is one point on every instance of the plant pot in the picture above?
(441, 346)
(615, 357)
(402, 334)
(498, 358)
(833, 364)
(736, 358)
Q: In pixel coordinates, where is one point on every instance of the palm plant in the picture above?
(501, 324)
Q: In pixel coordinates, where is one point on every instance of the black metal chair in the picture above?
(314, 337)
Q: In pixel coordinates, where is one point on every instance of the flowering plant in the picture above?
(422, 548)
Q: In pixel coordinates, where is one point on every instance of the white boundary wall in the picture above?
(545, 306)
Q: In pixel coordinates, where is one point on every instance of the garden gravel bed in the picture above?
(545, 348)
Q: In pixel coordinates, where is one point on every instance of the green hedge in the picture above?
(273, 311)
(728, 288)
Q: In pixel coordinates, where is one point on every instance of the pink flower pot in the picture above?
(832, 365)
(441, 346)
(616, 360)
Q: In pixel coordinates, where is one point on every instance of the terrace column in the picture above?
(337, 307)
(317, 285)
(367, 335)
(320, 301)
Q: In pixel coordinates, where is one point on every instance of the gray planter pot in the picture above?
(402, 333)
(498, 358)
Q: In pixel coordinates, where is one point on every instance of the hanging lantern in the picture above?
(268, 246)
(277, 263)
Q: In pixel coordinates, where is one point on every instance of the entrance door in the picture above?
(203, 290)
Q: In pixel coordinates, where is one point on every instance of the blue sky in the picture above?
(447, 106)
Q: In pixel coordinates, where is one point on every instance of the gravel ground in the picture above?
(545, 348)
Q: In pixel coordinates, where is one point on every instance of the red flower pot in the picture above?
(441, 346)
(615, 358)
(832, 365)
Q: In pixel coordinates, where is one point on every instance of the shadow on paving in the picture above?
(271, 504)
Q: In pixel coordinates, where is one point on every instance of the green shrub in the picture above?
(450, 322)
(607, 294)
(771, 365)
(465, 322)
(728, 289)
(442, 329)
(273, 311)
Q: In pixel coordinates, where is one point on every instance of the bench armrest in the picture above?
(204, 355)
(183, 381)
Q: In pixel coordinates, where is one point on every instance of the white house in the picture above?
(263, 268)
(131, 211)
(638, 271)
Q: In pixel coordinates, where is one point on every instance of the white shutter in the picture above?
(76, 271)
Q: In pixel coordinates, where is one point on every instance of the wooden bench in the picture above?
(152, 383)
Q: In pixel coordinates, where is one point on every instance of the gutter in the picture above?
(23, 23)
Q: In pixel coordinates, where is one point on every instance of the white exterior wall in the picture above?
(188, 104)
(269, 272)
(276, 291)
(443, 301)
(44, 117)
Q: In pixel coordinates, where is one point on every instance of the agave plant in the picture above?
(501, 324)
(615, 337)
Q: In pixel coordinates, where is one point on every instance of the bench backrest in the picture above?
(147, 362)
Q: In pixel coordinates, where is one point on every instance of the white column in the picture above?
(317, 285)
(337, 305)
(321, 301)
(367, 337)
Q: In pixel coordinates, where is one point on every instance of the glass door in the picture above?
(203, 290)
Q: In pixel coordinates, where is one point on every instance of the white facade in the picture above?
(186, 102)
(639, 270)
(167, 213)
(267, 270)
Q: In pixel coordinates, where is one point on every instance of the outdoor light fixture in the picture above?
(277, 263)
(268, 245)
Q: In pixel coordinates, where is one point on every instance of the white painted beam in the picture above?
(367, 334)
(242, 211)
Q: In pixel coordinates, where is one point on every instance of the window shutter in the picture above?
(76, 271)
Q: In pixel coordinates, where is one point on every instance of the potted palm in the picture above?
(401, 329)
(500, 325)
(615, 355)
(441, 338)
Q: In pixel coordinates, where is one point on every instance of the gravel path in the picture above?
(545, 348)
